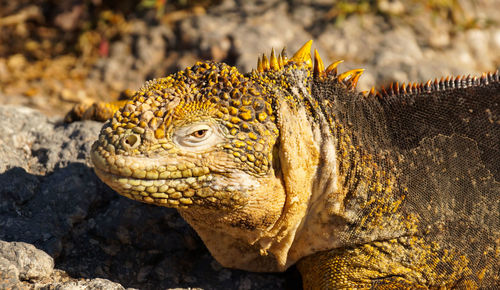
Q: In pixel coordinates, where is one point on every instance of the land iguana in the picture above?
(289, 164)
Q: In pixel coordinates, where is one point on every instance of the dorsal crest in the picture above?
(448, 83)
(304, 59)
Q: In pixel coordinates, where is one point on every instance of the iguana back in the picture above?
(420, 166)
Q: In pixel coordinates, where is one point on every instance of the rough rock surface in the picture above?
(50, 198)
(24, 266)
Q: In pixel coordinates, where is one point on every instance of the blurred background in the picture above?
(54, 54)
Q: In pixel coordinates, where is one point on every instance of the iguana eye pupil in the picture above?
(199, 133)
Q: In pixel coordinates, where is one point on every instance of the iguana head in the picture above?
(199, 138)
(234, 153)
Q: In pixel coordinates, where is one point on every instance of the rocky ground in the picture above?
(52, 57)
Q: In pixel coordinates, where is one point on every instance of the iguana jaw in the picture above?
(239, 238)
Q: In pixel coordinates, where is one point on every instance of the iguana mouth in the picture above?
(179, 186)
(177, 192)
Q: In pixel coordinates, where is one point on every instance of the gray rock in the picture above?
(237, 36)
(29, 262)
(138, 55)
(51, 199)
(22, 266)
(87, 284)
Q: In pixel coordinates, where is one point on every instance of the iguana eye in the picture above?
(197, 133)
(200, 133)
(196, 137)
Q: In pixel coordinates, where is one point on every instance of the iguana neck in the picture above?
(355, 176)
(308, 163)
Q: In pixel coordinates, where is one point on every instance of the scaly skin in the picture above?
(289, 164)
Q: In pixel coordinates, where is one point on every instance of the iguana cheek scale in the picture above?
(288, 164)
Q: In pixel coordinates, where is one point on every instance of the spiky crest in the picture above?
(332, 69)
(303, 58)
(274, 64)
(303, 55)
(319, 67)
(459, 82)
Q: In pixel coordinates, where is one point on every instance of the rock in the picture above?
(136, 57)
(51, 199)
(29, 262)
(478, 44)
(23, 265)
(22, 262)
(237, 35)
(98, 284)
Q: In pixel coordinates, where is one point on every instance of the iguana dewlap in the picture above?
(289, 164)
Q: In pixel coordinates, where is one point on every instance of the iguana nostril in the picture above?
(131, 141)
